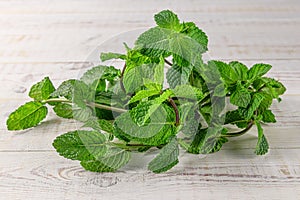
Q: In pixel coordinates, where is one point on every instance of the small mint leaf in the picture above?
(262, 146)
(108, 56)
(240, 97)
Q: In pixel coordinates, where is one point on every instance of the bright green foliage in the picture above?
(166, 159)
(42, 90)
(165, 97)
(27, 116)
(262, 145)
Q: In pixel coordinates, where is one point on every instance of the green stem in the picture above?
(235, 134)
(91, 104)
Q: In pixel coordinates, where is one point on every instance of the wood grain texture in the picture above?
(62, 38)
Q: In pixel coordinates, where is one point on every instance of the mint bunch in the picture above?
(133, 110)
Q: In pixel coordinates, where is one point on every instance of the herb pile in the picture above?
(133, 110)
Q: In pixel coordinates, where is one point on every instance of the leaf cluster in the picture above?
(148, 105)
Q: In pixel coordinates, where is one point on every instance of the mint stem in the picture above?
(91, 104)
(240, 132)
(175, 110)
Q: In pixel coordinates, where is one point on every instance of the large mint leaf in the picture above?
(240, 97)
(142, 94)
(178, 75)
(240, 70)
(63, 110)
(190, 29)
(167, 19)
(227, 73)
(158, 42)
(258, 70)
(188, 91)
(155, 133)
(114, 159)
(135, 78)
(166, 159)
(81, 145)
(26, 116)
(42, 90)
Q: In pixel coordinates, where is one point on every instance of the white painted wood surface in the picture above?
(56, 38)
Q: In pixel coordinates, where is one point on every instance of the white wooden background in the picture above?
(54, 38)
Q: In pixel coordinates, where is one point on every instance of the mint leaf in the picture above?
(114, 159)
(155, 133)
(134, 78)
(167, 19)
(227, 73)
(213, 144)
(99, 125)
(81, 145)
(188, 91)
(108, 56)
(258, 70)
(63, 110)
(166, 159)
(262, 146)
(268, 117)
(143, 94)
(26, 116)
(65, 89)
(178, 75)
(240, 70)
(191, 30)
(100, 73)
(42, 90)
(240, 97)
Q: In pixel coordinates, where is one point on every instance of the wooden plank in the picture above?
(81, 27)
(228, 174)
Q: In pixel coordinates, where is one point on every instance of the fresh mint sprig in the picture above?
(133, 110)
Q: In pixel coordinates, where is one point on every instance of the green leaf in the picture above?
(100, 72)
(166, 159)
(178, 75)
(240, 70)
(157, 42)
(81, 145)
(213, 145)
(188, 91)
(167, 19)
(133, 79)
(27, 116)
(42, 90)
(268, 117)
(99, 125)
(191, 30)
(258, 70)
(198, 141)
(155, 133)
(143, 111)
(65, 89)
(227, 73)
(114, 159)
(240, 97)
(159, 72)
(262, 146)
(142, 94)
(255, 103)
(108, 56)
(63, 110)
